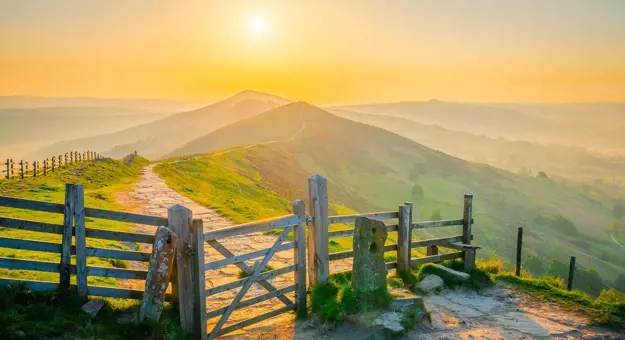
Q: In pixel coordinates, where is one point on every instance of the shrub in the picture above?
(554, 281)
(611, 296)
(490, 266)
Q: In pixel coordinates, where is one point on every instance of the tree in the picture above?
(589, 281)
(542, 174)
(535, 266)
(436, 215)
(563, 225)
(558, 268)
(618, 211)
(619, 283)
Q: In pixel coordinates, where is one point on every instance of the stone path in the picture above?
(156, 197)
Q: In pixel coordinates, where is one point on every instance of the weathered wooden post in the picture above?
(467, 222)
(519, 250)
(66, 241)
(60, 159)
(404, 237)
(22, 169)
(12, 168)
(8, 174)
(71, 156)
(34, 168)
(65, 156)
(197, 325)
(431, 250)
(299, 257)
(53, 162)
(45, 167)
(159, 271)
(318, 256)
(569, 284)
(183, 292)
(80, 233)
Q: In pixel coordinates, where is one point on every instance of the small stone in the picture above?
(93, 307)
(389, 321)
(431, 283)
(20, 334)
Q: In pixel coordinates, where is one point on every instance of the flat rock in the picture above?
(431, 283)
(389, 321)
(93, 307)
(454, 274)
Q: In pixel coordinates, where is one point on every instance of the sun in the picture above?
(257, 26)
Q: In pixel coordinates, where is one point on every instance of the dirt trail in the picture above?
(616, 241)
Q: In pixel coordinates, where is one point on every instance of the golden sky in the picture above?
(322, 51)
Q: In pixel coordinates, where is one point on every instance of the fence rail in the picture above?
(22, 168)
(74, 214)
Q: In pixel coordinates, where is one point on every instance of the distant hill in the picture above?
(150, 105)
(24, 130)
(569, 162)
(591, 125)
(157, 138)
(371, 168)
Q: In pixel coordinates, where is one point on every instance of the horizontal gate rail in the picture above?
(245, 257)
(352, 218)
(249, 302)
(264, 225)
(256, 319)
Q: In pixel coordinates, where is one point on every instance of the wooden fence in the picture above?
(22, 168)
(188, 282)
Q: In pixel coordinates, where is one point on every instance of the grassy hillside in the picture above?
(160, 137)
(591, 171)
(102, 180)
(371, 169)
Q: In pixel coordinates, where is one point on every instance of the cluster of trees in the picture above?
(557, 222)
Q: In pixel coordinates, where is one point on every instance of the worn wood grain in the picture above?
(299, 257)
(179, 221)
(318, 253)
(66, 240)
(435, 258)
(258, 226)
(264, 276)
(80, 240)
(404, 237)
(125, 217)
(386, 215)
(255, 319)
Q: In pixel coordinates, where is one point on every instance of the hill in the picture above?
(151, 105)
(593, 171)
(24, 130)
(157, 138)
(589, 125)
(369, 168)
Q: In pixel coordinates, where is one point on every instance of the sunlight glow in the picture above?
(257, 26)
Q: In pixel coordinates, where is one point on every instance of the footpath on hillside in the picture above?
(500, 312)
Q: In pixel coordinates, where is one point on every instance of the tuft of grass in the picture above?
(117, 263)
(241, 274)
(490, 266)
(333, 300)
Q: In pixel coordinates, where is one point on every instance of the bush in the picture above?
(490, 266)
(555, 281)
(612, 296)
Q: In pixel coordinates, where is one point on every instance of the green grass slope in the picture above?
(102, 181)
(372, 169)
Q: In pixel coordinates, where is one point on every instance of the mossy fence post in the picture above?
(404, 237)
(519, 250)
(318, 254)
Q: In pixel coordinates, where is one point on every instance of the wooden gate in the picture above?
(295, 223)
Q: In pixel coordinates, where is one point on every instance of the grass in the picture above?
(242, 274)
(48, 315)
(334, 300)
(102, 181)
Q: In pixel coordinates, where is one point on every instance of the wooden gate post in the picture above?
(66, 241)
(81, 240)
(8, 168)
(183, 293)
(519, 250)
(45, 167)
(318, 256)
(196, 266)
(569, 283)
(404, 237)
(299, 256)
(467, 222)
(22, 169)
(34, 168)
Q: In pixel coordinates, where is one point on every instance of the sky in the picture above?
(321, 51)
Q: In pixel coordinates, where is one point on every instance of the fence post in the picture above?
(53, 162)
(467, 221)
(318, 256)
(193, 320)
(11, 167)
(569, 284)
(71, 156)
(66, 243)
(179, 221)
(432, 250)
(81, 240)
(45, 167)
(34, 168)
(22, 169)
(65, 156)
(8, 168)
(159, 271)
(519, 249)
(299, 257)
(404, 237)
